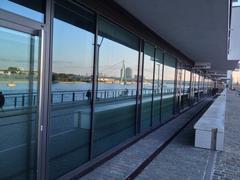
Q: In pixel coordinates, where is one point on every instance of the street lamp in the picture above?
(97, 63)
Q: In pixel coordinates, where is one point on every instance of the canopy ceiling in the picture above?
(199, 29)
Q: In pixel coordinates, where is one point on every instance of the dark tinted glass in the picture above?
(117, 71)
(147, 87)
(33, 9)
(179, 88)
(73, 49)
(18, 104)
(157, 87)
(186, 90)
(168, 87)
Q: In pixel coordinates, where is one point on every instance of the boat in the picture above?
(11, 84)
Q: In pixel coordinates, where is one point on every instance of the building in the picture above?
(62, 129)
(129, 74)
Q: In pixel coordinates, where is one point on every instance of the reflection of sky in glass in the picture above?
(187, 79)
(195, 80)
(112, 55)
(15, 49)
(158, 75)
(16, 52)
(148, 67)
(21, 10)
(169, 73)
(72, 49)
(236, 3)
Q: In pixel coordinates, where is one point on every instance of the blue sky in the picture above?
(72, 49)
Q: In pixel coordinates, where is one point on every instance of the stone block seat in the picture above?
(209, 130)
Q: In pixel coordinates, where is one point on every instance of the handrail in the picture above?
(18, 100)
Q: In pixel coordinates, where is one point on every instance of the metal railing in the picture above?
(18, 100)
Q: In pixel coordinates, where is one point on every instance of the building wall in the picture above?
(73, 108)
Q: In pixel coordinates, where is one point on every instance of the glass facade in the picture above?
(186, 90)
(167, 109)
(19, 81)
(201, 86)
(179, 88)
(106, 87)
(147, 86)
(156, 116)
(115, 102)
(195, 80)
(71, 89)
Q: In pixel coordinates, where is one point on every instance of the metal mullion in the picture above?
(180, 91)
(194, 84)
(141, 96)
(17, 27)
(31, 105)
(190, 90)
(204, 85)
(175, 87)
(154, 62)
(198, 86)
(20, 20)
(137, 125)
(184, 84)
(42, 128)
(43, 143)
(94, 93)
(162, 86)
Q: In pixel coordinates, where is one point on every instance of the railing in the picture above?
(18, 100)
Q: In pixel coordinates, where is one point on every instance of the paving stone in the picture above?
(129, 159)
(227, 165)
(179, 160)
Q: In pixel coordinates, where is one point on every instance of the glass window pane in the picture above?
(168, 87)
(73, 48)
(179, 86)
(205, 91)
(200, 90)
(147, 87)
(196, 87)
(33, 9)
(18, 104)
(186, 91)
(117, 71)
(192, 92)
(157, 87)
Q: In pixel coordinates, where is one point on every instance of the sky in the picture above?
(72, 49)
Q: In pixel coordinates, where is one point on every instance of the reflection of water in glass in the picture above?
(16, 93)
(21, 89)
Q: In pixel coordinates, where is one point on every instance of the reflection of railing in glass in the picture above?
(18, 100)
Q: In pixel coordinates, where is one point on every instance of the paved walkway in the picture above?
(227, 164)
(180, 160)
(128, 161)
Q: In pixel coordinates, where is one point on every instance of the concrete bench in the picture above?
(209, 130)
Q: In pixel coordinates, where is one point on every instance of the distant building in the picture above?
(235, 78)
(129, 74)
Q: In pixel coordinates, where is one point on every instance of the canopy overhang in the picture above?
(199, 29)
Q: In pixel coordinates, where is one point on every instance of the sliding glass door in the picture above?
(71, 89)
(19, 90)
